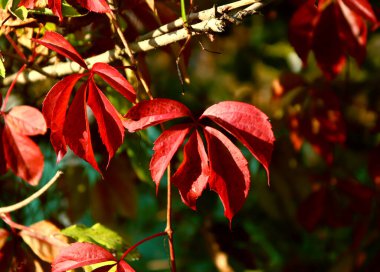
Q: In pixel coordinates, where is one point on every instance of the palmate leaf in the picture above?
(69, 124)
(223, 169)
(248, 124)
(332, 30)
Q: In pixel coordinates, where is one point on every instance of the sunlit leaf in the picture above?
(229, 175)
(26, 120)
(115, 80)
(77, 129)
(23, 156)
(192, 175)
(164, 149)
(44, 239)
(152, 112)
(100, 235)
(54, 109)
(248, 124)
(59, 44)
(79, 255)
(111, 128)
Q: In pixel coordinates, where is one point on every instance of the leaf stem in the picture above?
(163, 233)
(169, 230)
(3, 107)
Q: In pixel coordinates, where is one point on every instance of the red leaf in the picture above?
(248, 124)
(123, 266)
(115, 79)
(59, 44)
(362, 8)
(301, 29)
(152, 112)
(56, 7)
(331, 31)
(76, 128)
(312, 209)
(23, 156)
(54, 109)
(353, 31)
(95, 5)
(327, 45)
(230, 177)
(27, 3)
(192, 175)
(26, 120)
(109, 120)
(164, 148)
(80, 254)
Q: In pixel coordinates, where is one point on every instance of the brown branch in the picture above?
(210, 24)
(202, 16)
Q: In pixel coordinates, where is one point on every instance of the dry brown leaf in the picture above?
(45, 239)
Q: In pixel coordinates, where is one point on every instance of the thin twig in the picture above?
(168, 229)
(141, 242)
(181, 78)
(129, 52)
(34, 196)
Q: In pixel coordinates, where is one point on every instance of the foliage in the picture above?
(120, 117)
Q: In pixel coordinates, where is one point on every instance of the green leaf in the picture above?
(102, 236)
(21, 13)
(67, 11)
(70, 11)
(2, 68)
(3, 3)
